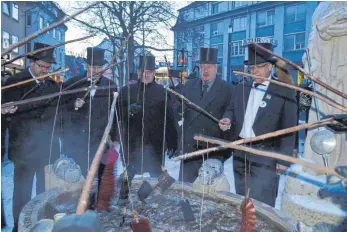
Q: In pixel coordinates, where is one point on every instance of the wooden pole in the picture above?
(315, 167)
(46, 48)
(83, 201)
(33, 79)
(43, 30)
(192, 104)
(67, 92)
(256, 138)
(303, 71)
(333, 104)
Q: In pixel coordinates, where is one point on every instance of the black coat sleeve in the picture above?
(289, 119)
(171, 129)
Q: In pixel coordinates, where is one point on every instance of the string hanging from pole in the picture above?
(90, 107)
(164, 131)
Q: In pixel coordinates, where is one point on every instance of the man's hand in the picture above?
(9, 110)
(225, 124)
(281, 169)
(79, 103)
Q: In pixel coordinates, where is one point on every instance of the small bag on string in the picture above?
(165, 181)
(187, 210)
(127, 175)
(145, 190)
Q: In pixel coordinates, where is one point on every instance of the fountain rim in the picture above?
(32, 209)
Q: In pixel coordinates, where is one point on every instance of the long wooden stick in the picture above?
(316, 167)
(33, 79)
(53, 95)
(83, 201)
(303, 71)
(256, 138)
(192, 104)
(43, 30)
(46, 48)
(329, 102)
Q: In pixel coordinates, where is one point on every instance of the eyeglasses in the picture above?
(43, 66)
(252, 67)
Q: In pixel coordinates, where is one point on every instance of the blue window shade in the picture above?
(294, 27)
(240, 35)
(294, 56)
(217, 39)
(265, 31)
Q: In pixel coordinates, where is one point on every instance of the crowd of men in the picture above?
(151, 120)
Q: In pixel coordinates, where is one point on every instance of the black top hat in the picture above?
(46, 56)
(95, 56)
(149, 62)
(257, 55)
(208, 55)
(174, 73)
(133, 77)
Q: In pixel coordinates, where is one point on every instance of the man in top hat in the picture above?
(31, 127)
(78, 144)
(213, 95)
(261, 107)
(148, 130)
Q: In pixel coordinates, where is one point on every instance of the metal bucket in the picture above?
(46, 204)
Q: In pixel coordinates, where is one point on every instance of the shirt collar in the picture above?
(32, 74)
(209, 83)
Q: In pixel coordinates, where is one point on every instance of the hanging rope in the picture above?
(182, 144)
(90, 107)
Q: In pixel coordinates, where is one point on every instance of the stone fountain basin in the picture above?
(45, 206)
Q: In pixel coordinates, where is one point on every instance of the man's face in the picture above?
(148, 76)
(39, 67)
(92, 69)
(262, 70)
(208, 72)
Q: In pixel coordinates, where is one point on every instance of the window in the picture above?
(55, 12)
(47, 25)
(238, 4)
(236, 48)
(217, 29)
(15, 40)
(54, 33)
(41, 22)
(265, 18)
(239, 24)
(28, 47)
(29, 20)
(295, 13)
(5, 39)
(294, 41)
(15, 11)
(59, 36)
(215, 8)
(6, 8)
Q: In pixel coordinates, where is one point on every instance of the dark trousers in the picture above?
(261, 179)
(190, 169)
(23, 183)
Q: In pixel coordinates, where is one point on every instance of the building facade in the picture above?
(231, 25)
(39, 15)
(12, 31)
(20, 19)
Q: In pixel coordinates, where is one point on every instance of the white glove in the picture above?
(79, 103)
(9, 109)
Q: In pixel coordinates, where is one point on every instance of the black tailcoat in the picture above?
(215, 102)
(154, 105)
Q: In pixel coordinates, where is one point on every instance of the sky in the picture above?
(74, 32)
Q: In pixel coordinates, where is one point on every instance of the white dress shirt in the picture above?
(254, 101)
(33, 76)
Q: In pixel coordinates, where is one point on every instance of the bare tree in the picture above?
(139, 19)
